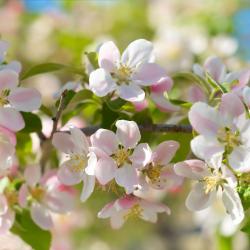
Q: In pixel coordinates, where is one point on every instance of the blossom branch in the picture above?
(158, 128)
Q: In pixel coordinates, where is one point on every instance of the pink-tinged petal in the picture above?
(105, 140)
(41, 216)
(67, 176)
(11, 136)
(8, 79)
(108, 56)
(98, 152)
(3, 205)
(117, 220)
(126, 202)
(156, 207)
(88, 187)
(198, 199)
(239, 159)
(162, 103)
(205, 147)
(137, 52)
(92, 162)
(246, 96)
(215, 67)
(101, 82)
(11, 119)
(126, 176)
(141, 155)
(32, 175)
(105, 170)
(244, 77)
(164, 152)
(7, 221)
(139, 106)
(128, 133)
(232, 203)
(63, 142)
(25, 99)
(148, 73)
(13, 65)
(80, 140)
(204, 119)
(231, 107)
(193, 169)
(196, 94)
(163, 85)
(149, 215)
(3, 49)
(23, 195)
(131, 93)
(107, 211)
(59, 201)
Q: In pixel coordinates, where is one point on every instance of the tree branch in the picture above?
(158, 128)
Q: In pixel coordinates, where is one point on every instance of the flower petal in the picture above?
(148, 73)
(164, 152)
(215, 67)
(137, 52)
(141, 155)
(11, 119)
(107, 211)
(7, 221)
(239, 159)
(92, 162)
(162, 103)
(25, 99)
(23, 196)
(128, 133)
(32, 175)
(163, 85)
(232, 203)
(68, 177)
(105, 170)
(204, 119)
(63, 142)
(41, 216)
(8, 79)
(80, 140)
(3, 204)
(101, 82)
(198, 199)
(131, 93)
(106, 140)
(88, 187)
(108, 56)
(126, 177)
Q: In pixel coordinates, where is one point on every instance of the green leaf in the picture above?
(46, 111)
(28, 231)
(116, 104)
(32, 123)
(224, 242)
(93, 59)
(181, 103)
(215, 84)
(49, 67)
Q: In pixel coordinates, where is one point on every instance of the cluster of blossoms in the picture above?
(120, 161)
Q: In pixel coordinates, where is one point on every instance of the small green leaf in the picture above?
(28, 231)
(116, 104)
(181, 103)
(32, 123)
(46, 111)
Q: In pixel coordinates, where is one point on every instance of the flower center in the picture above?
(3, 97)
(37, 193)
(213, 182)
(121, 156)
(123, 74)
(229, 138)
(78, 162)
(134, 212)
(11, 197)
(153, 172)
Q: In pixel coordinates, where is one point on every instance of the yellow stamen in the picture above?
(121, 156)
(3, 97)
(79, 162)
(134, 212)
(154, 172)
(37, 193)
(213, 182)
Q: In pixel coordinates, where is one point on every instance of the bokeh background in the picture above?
(184, 33)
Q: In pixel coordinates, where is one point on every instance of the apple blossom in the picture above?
(45, 195)
(131, 206)
(74, 170)
(213, 178)
(125, 74)
(115, 158)
(222, 130)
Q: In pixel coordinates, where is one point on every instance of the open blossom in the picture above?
(157, 168)
(7, 149)
(131, 207)
(125, 74)
(45, 195)
(212, 178)
(114, 152)
(74, 170)
(225, 129)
